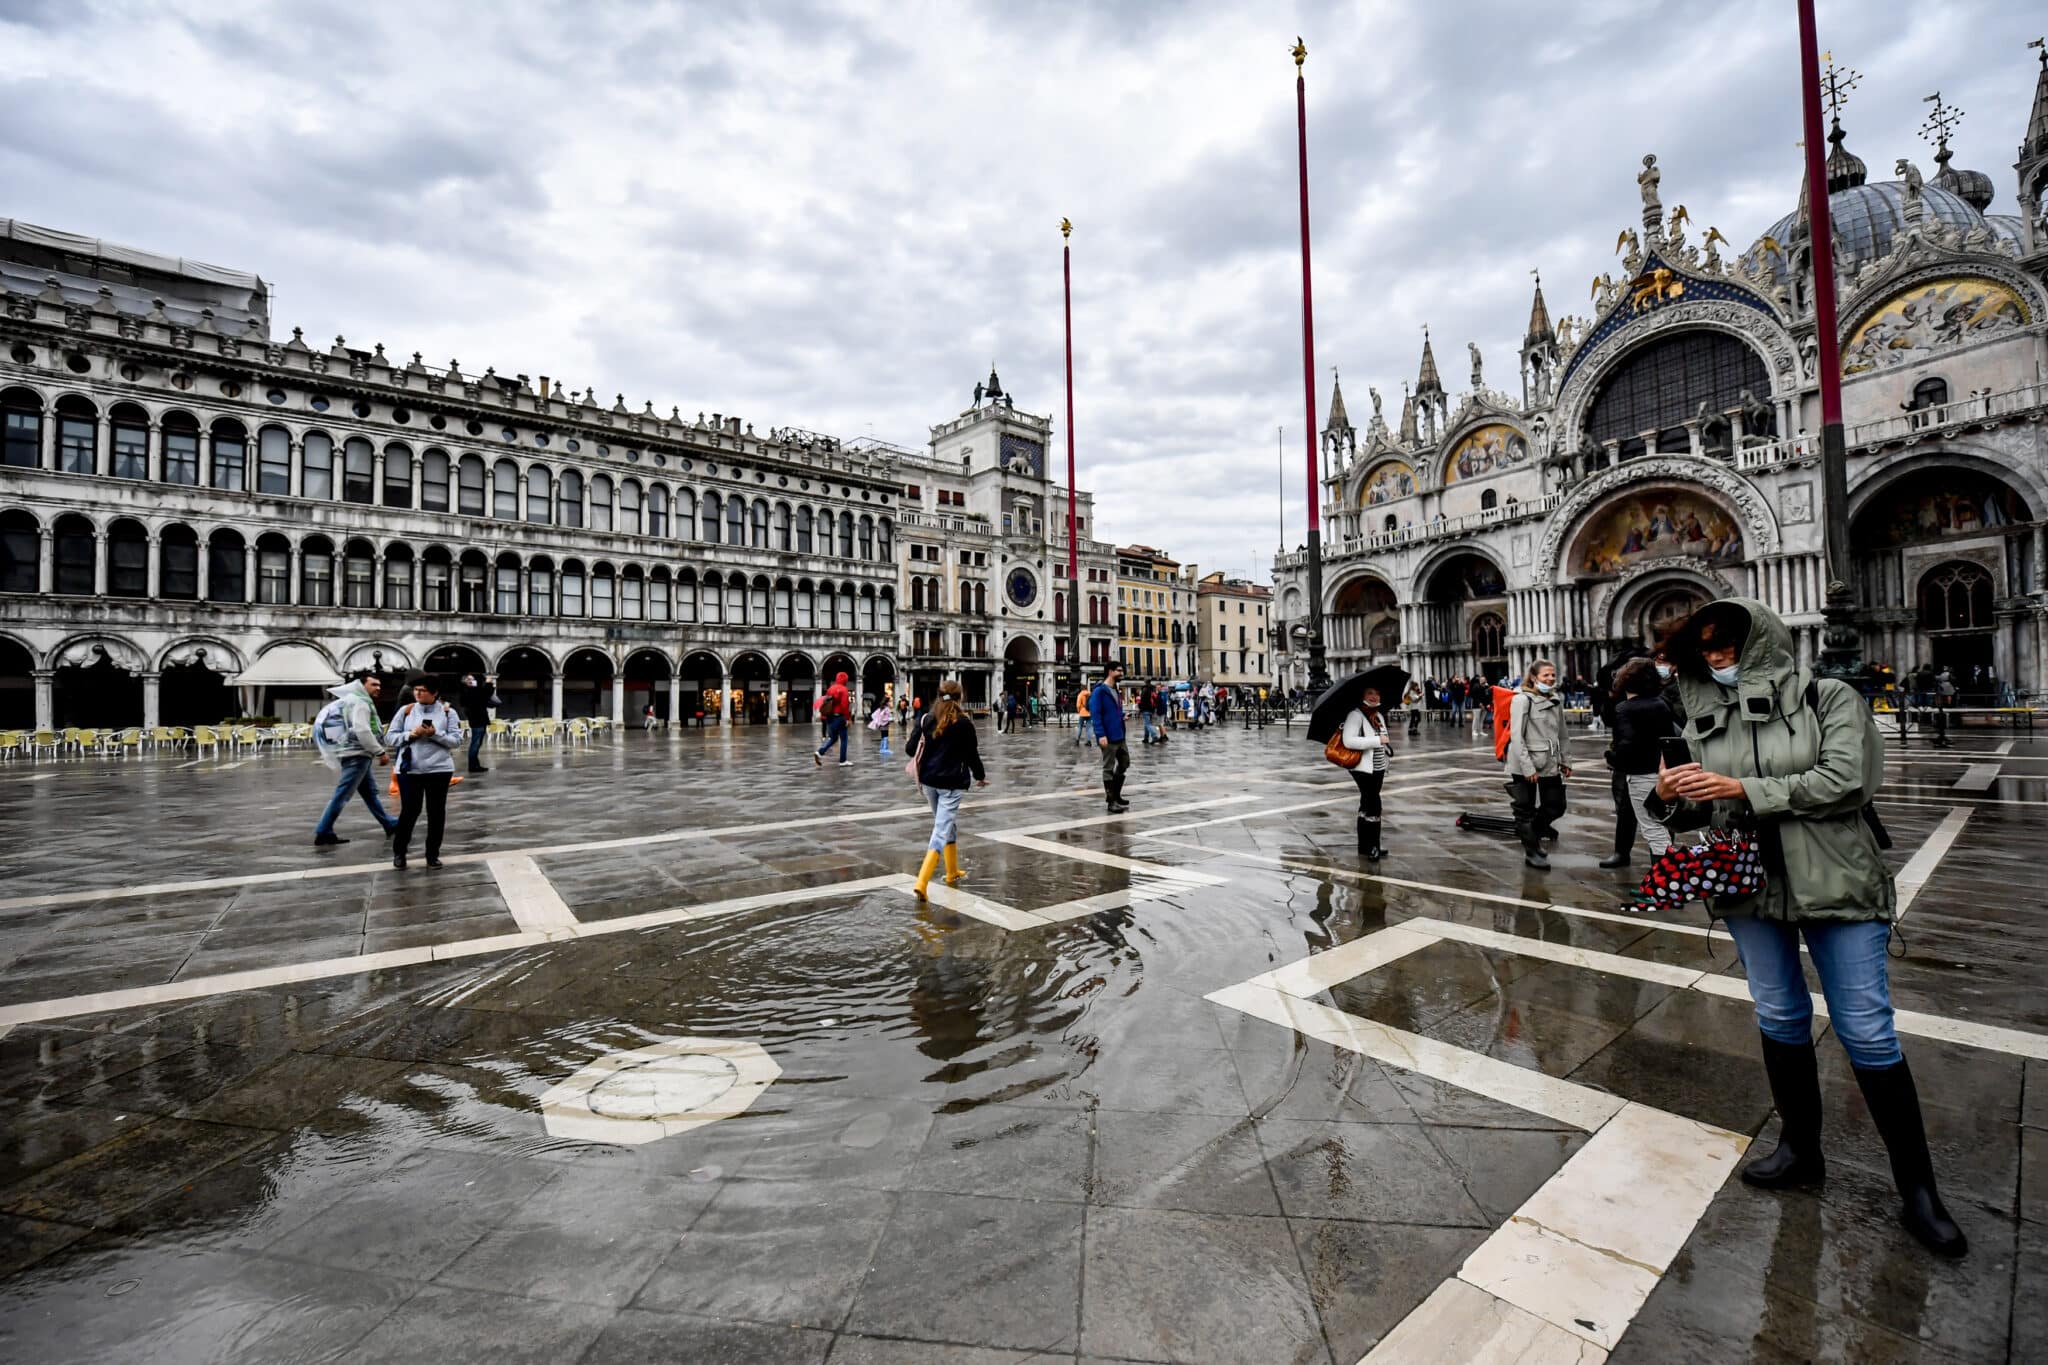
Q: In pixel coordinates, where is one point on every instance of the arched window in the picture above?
(632, 594)
(803, 530)
(867, 609)
(657, 510)
(131, 445)
(316, 572)
(714, 516)
(711, 601)
(316, 464)
(437, 580)
(469, 477)
(867, 537)
(505, 491)
(686, 514)
(358, 574)
(1488, 633)
(757, 601)
(569, 499)
(600, 502)
(540, 586)
(77, 548)
(917, 594)
(758, 524)
(966, 597)
(273, 459)
(273, 570)
(735, 520)
(434, 481)
(1956, 596)
(397, 475)
(1663, 384)
(785, 604)
(886, 611)
(78, 437)
(601, 585)
(981, 598)
(472, 582)
(1389, 524)
(505, 585)
(230, 455)
(686, 597)
(735, 598)
(1059, 607)
(846, 534)
(658, 595)
(782, 526)
(21, 429)
(398, 578)
(227, 569)
(178, 563)
(629, 506)
(572, 587)
(358, 466)
(181, 449)
(806, 593)
(885, 540)
(1488, 500)
(20, 552)
(540, 495)
(825, 525)
(1929, 393)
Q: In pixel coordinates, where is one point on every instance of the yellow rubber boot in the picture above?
(952, 865)
(924, 874)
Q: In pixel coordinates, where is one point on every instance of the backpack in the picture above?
(1503, 719)
(1869, 812)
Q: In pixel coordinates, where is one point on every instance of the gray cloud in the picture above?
(834, 215)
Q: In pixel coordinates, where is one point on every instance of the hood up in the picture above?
(841, 680)
(1771, 680)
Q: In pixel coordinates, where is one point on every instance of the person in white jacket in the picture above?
(1365, 730)
(350, 742)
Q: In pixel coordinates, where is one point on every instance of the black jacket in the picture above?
(476, 704)
(952, 761)
(1639, 722)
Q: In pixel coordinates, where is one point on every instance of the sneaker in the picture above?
(327, 840)
(1536, 860)
(818, 759)
(846, 763)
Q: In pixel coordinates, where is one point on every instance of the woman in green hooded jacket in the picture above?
(1795, 763)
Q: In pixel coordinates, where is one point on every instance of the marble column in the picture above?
(249, 571)
(152, 709)
(295, 477)
(46, 701)
(156, 454)
(156, 565)
(774, 696)
(725, 700)
(675, 699)
(46, 561)
(556, 705)
(291, 589)
(99, 563)
(618, 699)
(205, 569)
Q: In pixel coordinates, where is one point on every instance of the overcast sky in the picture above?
(835, 216)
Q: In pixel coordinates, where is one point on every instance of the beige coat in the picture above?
(1537, 745)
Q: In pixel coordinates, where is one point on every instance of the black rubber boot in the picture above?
(1369, 836)
(1895, 1107)
(1795, 1089)
(1116, 797)
(1615, 860)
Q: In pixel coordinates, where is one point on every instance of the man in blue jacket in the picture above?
(1106, 711)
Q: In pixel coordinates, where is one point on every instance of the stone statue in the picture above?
(1910, 173)
(1647, 182)
(1376, 414)
(978, 391)
(1473, 348)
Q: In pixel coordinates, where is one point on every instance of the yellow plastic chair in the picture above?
(72, 738)
(497, 731)
(129, 741)
(205, 737)
(40, 740)
(12, 743)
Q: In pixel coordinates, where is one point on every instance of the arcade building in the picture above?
(1665, 450)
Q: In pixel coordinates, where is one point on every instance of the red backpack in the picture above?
(1503, 713)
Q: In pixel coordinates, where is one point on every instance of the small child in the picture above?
(879, 722)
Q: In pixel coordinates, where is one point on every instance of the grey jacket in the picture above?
(1537, 746)
(433, 754)
(347, 726)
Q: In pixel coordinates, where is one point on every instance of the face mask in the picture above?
(1728, 676)
(1664, 672)
(1545, 688)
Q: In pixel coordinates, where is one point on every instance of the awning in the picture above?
(289, 666)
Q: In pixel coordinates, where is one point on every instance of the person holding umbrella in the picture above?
(1351, 713)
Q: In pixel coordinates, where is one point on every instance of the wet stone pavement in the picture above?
(667, 1064)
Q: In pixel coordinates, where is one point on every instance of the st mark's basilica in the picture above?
(1667, 450)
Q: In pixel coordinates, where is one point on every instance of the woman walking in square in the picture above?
(1365, 730)
(948, 761)
(425, 733)
(1537, 760)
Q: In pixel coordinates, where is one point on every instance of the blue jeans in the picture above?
(355, 777)
(945, 806)
(835, 731)
(476, 740)
(1848, 958)
(1148, 723)
(1087, 731)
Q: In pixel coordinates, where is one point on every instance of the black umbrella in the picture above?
(1389, 680)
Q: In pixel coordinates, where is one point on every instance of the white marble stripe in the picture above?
(1902, 798)
(1055, 826)
(2006, 748)
(535, 905)
(1978, 777)
(979, 907)
(1642, 969)
(1318, 972)
(1090, 855)
(655, 919)
(1921, 866)
(1460, 1325)
(1566, 1101)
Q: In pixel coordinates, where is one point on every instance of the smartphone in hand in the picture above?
(1673, 751)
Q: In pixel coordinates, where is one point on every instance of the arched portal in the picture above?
(1363, 622)
(1955, 614)
(800, 686)
(878, 681)
(750, 674)
(647, 674)
(587, 684)
(17, 686)
(452, 662)
(1456, 592)
(526, 684)
(1020, 666)
(702, 675)
(97, 692)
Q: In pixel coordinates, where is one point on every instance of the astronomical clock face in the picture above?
(1023, 587)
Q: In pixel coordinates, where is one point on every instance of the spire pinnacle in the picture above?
(2036, 143)
(1338, 419)
(1427, 380)
(1540, 328)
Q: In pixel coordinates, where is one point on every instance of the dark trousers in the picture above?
(1538, 806)
(1369, 784)
(415, 790)
(1116, 761)
(1624, 814)
(476, 739)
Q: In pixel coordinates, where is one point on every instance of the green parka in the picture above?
(1806, 771)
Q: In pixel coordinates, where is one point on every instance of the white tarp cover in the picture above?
(289, 666)
(16, 230)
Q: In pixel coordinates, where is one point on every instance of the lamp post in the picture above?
(1841, 642)
(1318, 670)
(1073, 540)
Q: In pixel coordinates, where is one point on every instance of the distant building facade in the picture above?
(1233, 631)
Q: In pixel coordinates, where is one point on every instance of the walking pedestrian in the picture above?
(880, 721)
(1084, 731)
(1641, 723)
(350, 742)
(1411, 701)
(1106, 710)
(1796, 761)
(424, 733)
(1606, 697)
(1366, 731)
(836, 706)
(478, 696)
(948, 759)
(1537, 760)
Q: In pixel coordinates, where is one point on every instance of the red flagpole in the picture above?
(1318, 673)
(1073, 539)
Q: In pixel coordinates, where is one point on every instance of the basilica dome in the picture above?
(1866, 217)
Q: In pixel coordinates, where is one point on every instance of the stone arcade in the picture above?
(1666, 450)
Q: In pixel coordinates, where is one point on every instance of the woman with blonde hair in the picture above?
(948, 758)
(1537, 760)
